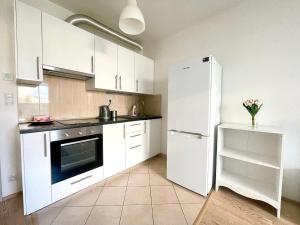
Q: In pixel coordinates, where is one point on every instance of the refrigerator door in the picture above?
(187, 161)
(189, 97)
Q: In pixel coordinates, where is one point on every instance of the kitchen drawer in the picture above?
(135, 154)
(67, 187)
(135, 138)
(135, 126)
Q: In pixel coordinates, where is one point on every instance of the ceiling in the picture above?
(162, 17)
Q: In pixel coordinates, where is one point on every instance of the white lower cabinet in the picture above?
(124, 145)
(153, 130)
(113, 148)
(136, 150)
(36, 171)
(67, 187)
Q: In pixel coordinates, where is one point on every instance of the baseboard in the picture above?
(14, 195)
(291, 201)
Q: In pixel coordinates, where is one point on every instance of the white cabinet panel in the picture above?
(28, 44)
(135, 153)
(144, 74)
(113, 148)
(153, 128)
(36, 171)
(106, 66)
(126, 69)
(69, 186)
(66, 46)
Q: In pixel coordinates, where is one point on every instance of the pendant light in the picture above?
(131, 19)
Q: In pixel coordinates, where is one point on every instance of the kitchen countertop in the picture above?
(59, 125)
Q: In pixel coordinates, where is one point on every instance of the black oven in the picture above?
(75, 151)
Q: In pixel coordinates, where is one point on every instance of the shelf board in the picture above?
(262, 129)
(252, 188)
(250, 157)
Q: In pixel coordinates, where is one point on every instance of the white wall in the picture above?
(258, 44)
(9, 143)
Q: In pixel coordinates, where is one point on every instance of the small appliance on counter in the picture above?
(133, 111)
(113, 114)
(104, 111)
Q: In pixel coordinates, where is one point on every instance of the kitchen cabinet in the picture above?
(136, 150)
(153, 130)
(113, 148)
(125, 69)
(36, 171)
(144, 74)
(66, 46)
(106, 66)
(28, 44)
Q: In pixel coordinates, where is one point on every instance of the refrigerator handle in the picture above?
(198, 135)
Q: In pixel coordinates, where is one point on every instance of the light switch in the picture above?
(7, 76)
(9, 98)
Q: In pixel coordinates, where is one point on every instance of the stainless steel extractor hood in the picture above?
(55, 71)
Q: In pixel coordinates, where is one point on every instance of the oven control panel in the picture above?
(58, 135)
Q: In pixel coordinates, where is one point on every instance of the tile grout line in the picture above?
(180, 204)
(124, 199)
(151, 197)
(52, 221)
(93, 206)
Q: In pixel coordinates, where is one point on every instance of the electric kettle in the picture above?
(104, 111)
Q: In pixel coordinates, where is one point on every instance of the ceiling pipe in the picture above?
(83, 19)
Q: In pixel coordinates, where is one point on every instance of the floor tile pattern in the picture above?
(138, 196)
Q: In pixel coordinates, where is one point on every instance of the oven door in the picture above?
(75, 156)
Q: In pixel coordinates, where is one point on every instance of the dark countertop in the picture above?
(58, 125)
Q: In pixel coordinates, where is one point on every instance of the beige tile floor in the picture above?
(138, 196)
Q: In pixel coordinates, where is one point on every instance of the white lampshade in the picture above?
(131, 19)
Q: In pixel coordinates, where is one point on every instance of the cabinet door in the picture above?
(36, 171)
(153, 128)
(66, 46)
(106, 64)
(126, 69)
(144, 74)
(28, 44)
(113, 149)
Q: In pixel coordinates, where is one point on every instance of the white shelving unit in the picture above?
(249, 162)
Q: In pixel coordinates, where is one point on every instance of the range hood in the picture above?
(56, 71)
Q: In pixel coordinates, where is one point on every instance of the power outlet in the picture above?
(12, 178)
(7, 76)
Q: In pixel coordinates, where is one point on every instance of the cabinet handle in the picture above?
(82, 179)
(45, 145)
(92, 68)
(38, 67)
(120, 80)
(135, 135)
(116, 81)
(136, 124)
(124, 131)
(137, 85)
(135, 146)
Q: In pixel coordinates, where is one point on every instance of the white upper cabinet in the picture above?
(144, 74)
(28, 44)
(125, 70)
(36, 171)
(66, 46)
(106, 66)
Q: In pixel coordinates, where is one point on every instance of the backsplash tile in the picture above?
(64, 98)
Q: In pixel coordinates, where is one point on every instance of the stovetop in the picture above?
(89, 121)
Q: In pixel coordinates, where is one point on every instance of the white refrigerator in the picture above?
(194, 103)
